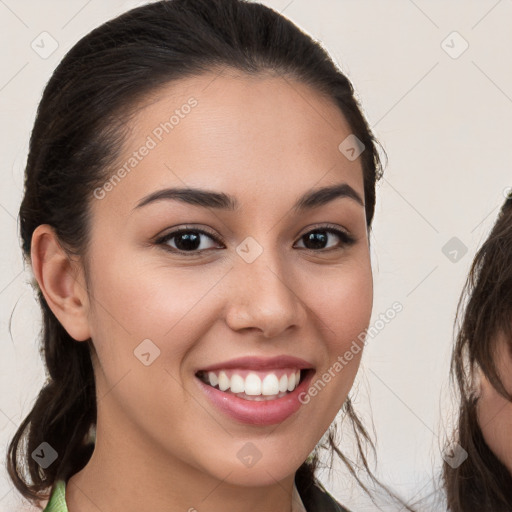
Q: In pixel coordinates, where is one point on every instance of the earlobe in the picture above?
(480, 382)
(59, 279)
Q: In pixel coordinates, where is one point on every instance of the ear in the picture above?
(479, 381)
(61, 281)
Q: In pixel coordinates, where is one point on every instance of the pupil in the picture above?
(313, 237)
(192, 241)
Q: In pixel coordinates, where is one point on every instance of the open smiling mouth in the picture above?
(255, 385)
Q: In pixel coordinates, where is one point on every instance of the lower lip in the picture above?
(268, 412)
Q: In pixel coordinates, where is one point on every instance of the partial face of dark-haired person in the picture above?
(482, 367)
(199, 190)
(495, 410)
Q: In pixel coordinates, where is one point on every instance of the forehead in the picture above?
(265, 134)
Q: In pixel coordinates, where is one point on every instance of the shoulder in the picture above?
(57, 502)
(322, 501)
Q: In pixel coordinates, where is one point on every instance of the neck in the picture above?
(131, 476)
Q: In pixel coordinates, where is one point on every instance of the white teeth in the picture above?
(283, 383)
(252, 385)
(237, 384)
(270, 385)
(291, 382)
(213, 378)
(223, 381)
(260, 398)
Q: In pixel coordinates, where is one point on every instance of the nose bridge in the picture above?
(264, 297)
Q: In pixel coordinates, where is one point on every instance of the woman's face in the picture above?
(253, 285)
(494, 410)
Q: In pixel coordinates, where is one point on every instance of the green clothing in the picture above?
(322, 502)
(57, 501)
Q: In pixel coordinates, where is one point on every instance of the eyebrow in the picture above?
(221, 201)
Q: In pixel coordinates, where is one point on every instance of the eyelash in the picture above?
(346, 239)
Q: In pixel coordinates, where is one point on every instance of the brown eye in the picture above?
(315, 240)
(186, 240)
(192, 240)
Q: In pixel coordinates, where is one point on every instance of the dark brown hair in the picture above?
(481, 482)
(77, 135)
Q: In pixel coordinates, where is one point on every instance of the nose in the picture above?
(262, 297)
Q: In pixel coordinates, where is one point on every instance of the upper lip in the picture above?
(260, 363)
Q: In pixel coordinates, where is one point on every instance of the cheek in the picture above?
(343, 302)
(138, 302)
(495, 419)
(134, 302)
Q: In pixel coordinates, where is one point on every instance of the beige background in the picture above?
(446, 124)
